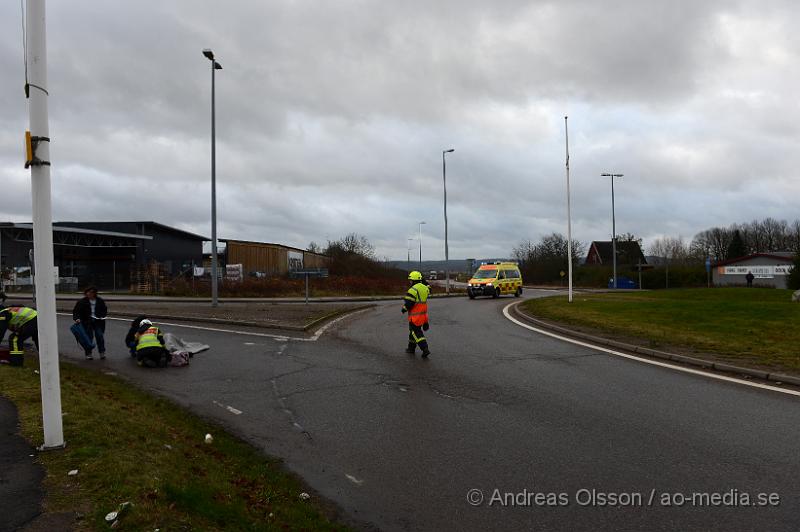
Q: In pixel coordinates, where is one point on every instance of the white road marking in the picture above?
(249, 343)
(647, 360)
(228, 408)
(279, 337)
(354, 480)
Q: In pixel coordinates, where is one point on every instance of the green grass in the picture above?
(117, 438)
(752, 327)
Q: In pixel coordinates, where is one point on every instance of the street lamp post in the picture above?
(446, 250)
(569, 214)
(214, 289)
(613, 226)
(420, 243)
(408, 259)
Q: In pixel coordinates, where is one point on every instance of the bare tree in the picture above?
(672, 249)
(713, 242)
(793, 237)
(353, 244)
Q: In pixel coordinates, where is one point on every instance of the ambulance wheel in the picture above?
(496, 292)
(518, 292)
(471, 295)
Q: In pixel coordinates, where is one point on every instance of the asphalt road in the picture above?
(398, 442)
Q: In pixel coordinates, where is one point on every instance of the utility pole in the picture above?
(613, 226)
(38, 158)
(639, 264)
(569, 215)
(420, 243)
(446, 250)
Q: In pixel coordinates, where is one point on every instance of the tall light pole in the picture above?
(613, 226)
(408, 259)
(38, 159)
(214, 289)
(569, 214)
(446, 250)
(420, 243)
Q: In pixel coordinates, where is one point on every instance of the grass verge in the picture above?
(130, 446)
(750, 327)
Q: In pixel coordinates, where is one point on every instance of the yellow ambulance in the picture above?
(496, 279)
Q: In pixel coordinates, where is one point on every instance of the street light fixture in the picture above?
(446, 250)
(214, 288)
(408, 259)
(420, 243)
(613, 226)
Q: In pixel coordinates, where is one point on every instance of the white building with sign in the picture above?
(768, 269)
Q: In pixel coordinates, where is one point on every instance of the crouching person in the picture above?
(130, 338)
(150, 349)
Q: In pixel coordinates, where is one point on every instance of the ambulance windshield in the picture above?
(485, 274)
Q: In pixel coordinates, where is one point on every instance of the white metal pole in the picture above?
(569, 215)
(43, 227)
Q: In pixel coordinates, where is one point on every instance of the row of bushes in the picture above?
(598, 277)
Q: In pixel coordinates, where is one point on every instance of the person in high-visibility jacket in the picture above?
(415, 303)
(22, 323)
(150, 349)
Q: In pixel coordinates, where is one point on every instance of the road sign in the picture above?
(318, 272)
(708, 264)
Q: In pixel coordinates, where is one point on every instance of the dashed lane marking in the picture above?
(228, 408)
(354, 480)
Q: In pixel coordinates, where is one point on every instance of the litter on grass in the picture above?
(113, 517)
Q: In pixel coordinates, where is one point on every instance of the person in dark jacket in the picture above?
(91, 312)
(130, 338)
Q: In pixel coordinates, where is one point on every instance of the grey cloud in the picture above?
(331, 118)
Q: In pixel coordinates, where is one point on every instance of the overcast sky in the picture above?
(332, 116)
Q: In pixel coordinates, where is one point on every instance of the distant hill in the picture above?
(455, 265)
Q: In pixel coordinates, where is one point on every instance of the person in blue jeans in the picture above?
(91, 312)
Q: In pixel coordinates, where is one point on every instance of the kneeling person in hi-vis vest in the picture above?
(416, 304)
(150, 350)
(22, 323)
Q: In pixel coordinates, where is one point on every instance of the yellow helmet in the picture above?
(415, 276)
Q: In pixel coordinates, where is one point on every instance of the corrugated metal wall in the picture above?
(271, 259)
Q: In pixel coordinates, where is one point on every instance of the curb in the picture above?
(655, 353)
(219, 321)
(291, 300)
